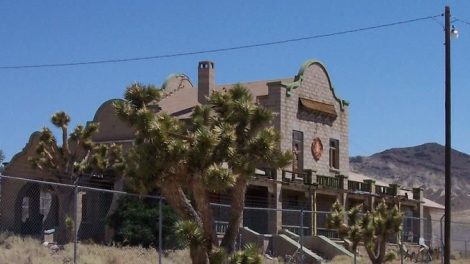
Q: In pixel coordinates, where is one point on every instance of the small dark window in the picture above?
(25, 209)
(45, 200)
(334, 154)
(298, 150)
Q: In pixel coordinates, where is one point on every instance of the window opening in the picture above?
(25, 209)
(297, 150)
(334, 154)
(45, 200)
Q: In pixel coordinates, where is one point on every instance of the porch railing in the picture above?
(358, 186)
(331, 182)
(220, 226)
(383, 190)
(305, 176)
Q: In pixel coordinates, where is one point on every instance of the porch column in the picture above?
(371, 199)
(343, 185)
(418, 196)
(275, 216)
(313, 208)
(395, 188)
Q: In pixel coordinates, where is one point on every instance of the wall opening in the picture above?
(297, 150)
(334, 154)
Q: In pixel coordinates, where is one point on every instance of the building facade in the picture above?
(313, 122)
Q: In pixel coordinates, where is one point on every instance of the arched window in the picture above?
(45, 200)
(25, 209)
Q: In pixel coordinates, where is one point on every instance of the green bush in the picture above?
(135, 222)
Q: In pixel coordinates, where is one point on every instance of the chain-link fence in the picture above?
(81, 223)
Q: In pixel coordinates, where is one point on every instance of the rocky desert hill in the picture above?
(422, 166)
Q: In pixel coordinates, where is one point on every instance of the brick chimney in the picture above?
(206, 80)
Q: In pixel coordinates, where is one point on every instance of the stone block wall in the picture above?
(314, 86)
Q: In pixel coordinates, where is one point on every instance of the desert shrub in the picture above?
(135, 222)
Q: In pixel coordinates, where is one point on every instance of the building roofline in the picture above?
(28, 145)
(103, 105)
(309, 63)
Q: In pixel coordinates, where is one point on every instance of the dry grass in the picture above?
(19, 250)
(26, 250)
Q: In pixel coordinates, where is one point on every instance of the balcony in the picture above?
(305, 176)
(269, 173)
(386, 190)
(336, 182)
(309, 177)
(359, 186)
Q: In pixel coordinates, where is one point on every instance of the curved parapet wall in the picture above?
(301, 76)
(111, 127)
(175, 82)
(20, 166)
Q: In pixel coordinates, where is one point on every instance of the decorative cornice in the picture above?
(300, 77)
(293, 85)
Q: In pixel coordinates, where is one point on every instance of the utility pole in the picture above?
(448, 182)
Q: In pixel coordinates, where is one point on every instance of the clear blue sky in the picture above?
(393, 77)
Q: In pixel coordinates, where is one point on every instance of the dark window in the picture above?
(25, 209)
(45, 200)
(334, 154)
(298, 150)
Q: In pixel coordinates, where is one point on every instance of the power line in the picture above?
(247, 46)
(463, 21)
(438, 22)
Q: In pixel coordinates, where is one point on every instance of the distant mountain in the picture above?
(420, 166)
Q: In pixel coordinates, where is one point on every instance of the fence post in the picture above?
(301, 236)
(465, 248)
(75, 222)
(400, 243)
(442, 242)
(160, 230)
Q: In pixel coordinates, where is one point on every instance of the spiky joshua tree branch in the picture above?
(373, 228)
(217, 149)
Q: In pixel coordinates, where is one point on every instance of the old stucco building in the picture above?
(313, 122)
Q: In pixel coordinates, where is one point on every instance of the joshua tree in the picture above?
(66, 162)
(256, 144)
(218, 148)
(374, 228)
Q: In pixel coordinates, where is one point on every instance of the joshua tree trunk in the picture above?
(377, 254)
(198, 254)
(118, 185)
(236, 215)
(354, 251)
(66, 200)
(175, 196)
(205, 212)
